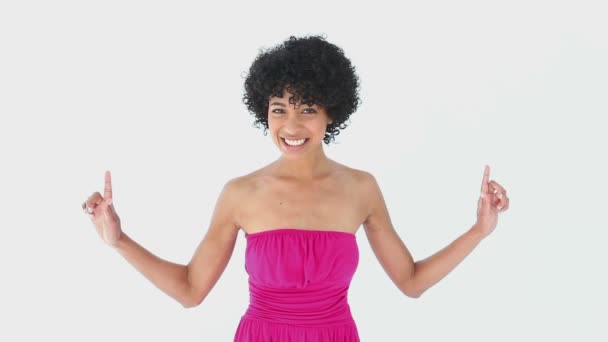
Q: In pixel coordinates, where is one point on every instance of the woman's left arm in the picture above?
(414, 278)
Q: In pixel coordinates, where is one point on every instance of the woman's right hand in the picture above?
(102, 214)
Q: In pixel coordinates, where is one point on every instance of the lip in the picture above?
(293, 148)
(293, 138)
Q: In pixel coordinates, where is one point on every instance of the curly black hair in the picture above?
(314, 71)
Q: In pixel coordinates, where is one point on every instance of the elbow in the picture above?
(191, 302)
(411, 289)
(413, 293)
(188, 305)
(192, 299)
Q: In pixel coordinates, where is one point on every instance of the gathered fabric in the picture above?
(298, 286)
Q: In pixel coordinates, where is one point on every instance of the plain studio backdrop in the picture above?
(153, 92)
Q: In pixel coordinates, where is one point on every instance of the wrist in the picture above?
(476, 233)
(120, 244)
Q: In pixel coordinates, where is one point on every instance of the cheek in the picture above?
(321, 127)
(271, 124)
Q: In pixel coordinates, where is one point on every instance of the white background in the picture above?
(152, 91)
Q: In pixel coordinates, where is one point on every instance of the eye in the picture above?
(307, 110)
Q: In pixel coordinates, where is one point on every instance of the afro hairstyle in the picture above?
(313, 71)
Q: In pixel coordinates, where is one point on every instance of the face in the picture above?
(296, 122)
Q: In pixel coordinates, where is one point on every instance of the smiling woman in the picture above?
(300, 213)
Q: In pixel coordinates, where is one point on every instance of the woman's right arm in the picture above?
(190, 284)
(169, 277)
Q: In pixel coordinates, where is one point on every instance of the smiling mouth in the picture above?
(294, 147)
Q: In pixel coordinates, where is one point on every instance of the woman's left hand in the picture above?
(492, 201)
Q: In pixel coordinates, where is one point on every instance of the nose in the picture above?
(292, 122)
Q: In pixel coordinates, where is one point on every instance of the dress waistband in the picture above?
(310, 306)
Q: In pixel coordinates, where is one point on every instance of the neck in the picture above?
(306, 168)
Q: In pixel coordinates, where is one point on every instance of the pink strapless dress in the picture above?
(298, 286)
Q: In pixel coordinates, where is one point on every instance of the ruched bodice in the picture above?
(298, 285)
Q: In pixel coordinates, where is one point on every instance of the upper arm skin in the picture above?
(214, 251)
(391, 252)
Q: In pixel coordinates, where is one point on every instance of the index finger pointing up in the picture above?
(107, 194)
(486, 179)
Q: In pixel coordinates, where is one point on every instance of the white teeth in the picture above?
(294, 142)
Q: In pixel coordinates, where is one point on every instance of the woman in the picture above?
(300, 213)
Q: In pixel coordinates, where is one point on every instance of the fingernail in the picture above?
(110, 202)
(499, 195)
(499, 208)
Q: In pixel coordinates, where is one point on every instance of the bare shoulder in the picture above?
(234, 190)
(235, 185)
(364, 180)
(357, 180)
(244, 184)
(369, 184)
(228, 201)
(367, 189)
(363, 177)
(239, 191)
